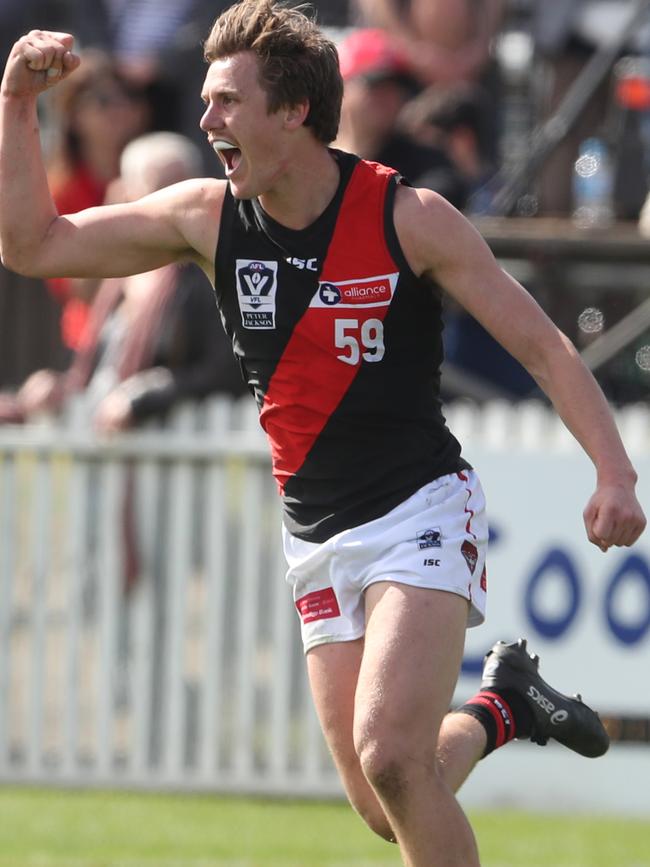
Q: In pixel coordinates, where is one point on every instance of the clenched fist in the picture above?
(39, 60)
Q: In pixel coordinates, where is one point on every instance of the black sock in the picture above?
(503, 714)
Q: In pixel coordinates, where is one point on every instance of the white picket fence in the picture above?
(194, 677)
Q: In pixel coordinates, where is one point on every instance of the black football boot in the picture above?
(565, 718)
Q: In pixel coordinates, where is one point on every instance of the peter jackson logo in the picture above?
(257, 282)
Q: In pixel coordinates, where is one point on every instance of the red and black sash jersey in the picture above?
(341, 345)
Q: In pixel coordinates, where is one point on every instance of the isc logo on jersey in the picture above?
(257, 282)
(364, 292)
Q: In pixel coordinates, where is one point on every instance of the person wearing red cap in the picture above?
(329, 274)
(442, 40)
(378, 85)
(446, 42)
(371, 52)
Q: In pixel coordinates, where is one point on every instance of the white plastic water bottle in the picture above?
(593, 186)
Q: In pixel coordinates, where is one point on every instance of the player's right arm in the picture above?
(178, 223)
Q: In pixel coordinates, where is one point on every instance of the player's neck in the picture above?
(304, 191)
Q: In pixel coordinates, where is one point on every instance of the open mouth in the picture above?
(229, 154)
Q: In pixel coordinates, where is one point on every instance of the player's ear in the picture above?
(296, 115)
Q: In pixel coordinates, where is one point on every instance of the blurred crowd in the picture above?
(448, 92)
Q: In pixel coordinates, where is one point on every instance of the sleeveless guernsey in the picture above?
(341, 345)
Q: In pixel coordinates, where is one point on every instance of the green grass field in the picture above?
(98, 829)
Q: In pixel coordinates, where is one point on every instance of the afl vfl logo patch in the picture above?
(257, 283)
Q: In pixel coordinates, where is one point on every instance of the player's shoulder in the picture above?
(413, 204)
(195, 207)
(198, 193)
(426, 223)
(193, 199)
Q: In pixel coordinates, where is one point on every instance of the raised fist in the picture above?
(39, 60)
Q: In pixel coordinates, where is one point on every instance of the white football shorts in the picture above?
(437, 538)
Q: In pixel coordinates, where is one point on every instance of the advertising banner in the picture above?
(585, 612)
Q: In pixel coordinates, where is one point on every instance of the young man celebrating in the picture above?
(328, 274)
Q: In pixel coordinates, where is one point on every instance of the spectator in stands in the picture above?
(378, 84)
(29, 323)
(476, 365)
(446, 42)
(135, 32)
(156, 46)
(152, 339)
(93, 118)
(450, 118)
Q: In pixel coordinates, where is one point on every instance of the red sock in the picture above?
(496, 716)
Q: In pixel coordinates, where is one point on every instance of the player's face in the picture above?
(248, 140)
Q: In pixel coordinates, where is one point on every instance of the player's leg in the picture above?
(515, 702)
(334, 619)
(332, 626)
(464, 737)
(411, 660)
(333, 673)
(461, 743)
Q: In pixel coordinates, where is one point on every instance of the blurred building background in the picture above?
(491, 103)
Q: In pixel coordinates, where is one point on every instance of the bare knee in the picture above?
(384, 770)
(388, 761)
(395, 765)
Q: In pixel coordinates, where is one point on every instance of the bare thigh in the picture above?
(412, 656)
(395, 686)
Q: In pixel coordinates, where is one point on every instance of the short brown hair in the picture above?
(297, 62)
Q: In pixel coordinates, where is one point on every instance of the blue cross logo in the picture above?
(330, 294)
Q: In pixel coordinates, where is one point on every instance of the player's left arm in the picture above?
(441, 244)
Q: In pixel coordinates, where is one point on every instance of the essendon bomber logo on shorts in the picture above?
(470, 554)
(257, 283)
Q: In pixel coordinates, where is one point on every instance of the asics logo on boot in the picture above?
(557, 716)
